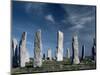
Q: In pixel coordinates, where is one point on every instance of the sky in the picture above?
(50, 18)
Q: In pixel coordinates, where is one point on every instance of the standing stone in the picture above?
(60, 46)
(27, 56)
(83, 52)
(23, 50)
(15, 60)
(55, 54)
(75, 50)
(49, 56)
(94, 50)
(44, 56)
(68, 53)
(38, 49)
(14, 45)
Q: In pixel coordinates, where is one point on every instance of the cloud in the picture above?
(89, 36)
(79, 17)
(79, 21)
(34, 8)
(77, 27)
(49, 18)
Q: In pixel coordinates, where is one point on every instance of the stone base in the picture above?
(76, 61)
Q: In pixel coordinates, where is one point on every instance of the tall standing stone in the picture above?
(68, 53)
(83, 52)
(15, 53)
(75, 50)
(38, 49)
(60, 46)
(23, 50)
(49, 56)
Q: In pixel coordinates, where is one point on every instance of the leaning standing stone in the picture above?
(22, 49)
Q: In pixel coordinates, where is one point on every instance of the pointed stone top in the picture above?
(49, 49)
(75, 34)
(24, 35)
(83, 45)
(67, 48)
(39, 30)
(14, 40)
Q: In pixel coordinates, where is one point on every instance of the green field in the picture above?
(54, 66)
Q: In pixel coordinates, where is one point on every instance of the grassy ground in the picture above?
(54, 66)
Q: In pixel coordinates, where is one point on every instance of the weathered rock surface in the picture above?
(38, 49)
(75, 50)
(23, 50)
(59, 54)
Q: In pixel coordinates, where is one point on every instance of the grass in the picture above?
(54, 66)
